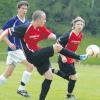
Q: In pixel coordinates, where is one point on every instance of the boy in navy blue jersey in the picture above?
(15, 52)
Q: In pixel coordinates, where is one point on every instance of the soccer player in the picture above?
(30, 35)
(70, 40)
(15, 52)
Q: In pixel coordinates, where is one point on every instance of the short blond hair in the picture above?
(76, 20)
(37, 14)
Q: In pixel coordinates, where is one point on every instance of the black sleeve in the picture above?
(63, 39)
(69, 53)
(20, 30)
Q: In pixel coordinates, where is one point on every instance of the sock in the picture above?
(60, 73)
(45, 88)
(25, 79)
(71, 85)
(69, 53)
(2, 80)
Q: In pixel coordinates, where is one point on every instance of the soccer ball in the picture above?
(93, 50)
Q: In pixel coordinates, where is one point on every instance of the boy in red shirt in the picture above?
(70, 41)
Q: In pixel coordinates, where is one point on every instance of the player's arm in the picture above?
(62, 40)
(6, 40)
(7, 25)
(47, 33)
(64, 60)
(4, 34)
(11, 31)
(17, 31)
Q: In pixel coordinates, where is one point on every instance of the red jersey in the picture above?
(33, 36)
(72, 44)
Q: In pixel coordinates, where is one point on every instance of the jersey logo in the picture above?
(34, 36)
(75, 42)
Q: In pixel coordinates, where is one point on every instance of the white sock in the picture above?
(25, 79)
(2, 79)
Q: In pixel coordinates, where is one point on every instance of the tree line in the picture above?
(59, 13)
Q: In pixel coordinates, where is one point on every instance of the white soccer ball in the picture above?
(93, 50)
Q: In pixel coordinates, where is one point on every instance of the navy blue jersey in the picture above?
(14, 21)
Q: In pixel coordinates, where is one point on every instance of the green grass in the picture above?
(87, 87)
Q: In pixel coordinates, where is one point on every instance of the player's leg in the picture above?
(26, 74)
(72, 81)
(63, 71)
(46, 84)
(25, 79)
(43, 67)
(59, 49)
(71, 86)
(8, 72)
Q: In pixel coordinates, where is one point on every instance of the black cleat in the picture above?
(70, 97)
(54, 71)
(23, 93)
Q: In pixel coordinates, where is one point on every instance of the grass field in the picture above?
(87, 87)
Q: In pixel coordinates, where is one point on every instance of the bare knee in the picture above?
(48, 75)
(29, 66)
(73, 77)
(8, 72)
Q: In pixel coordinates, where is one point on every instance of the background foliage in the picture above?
(59, 13)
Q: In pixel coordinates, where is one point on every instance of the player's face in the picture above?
(79, 26)
(22, 10)
(42, 20)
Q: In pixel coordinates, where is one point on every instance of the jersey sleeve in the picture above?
(63, 39)
(19, 31)
(45, 32)
(9, 23)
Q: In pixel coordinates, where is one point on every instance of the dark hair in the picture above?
(23, 2)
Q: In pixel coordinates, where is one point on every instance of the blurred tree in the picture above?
(59, 13)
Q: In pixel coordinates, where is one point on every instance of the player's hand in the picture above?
(12, 46)
(83, 57)
(64, 59)
(76, 60)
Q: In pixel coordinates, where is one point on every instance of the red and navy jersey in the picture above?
(71, 42)
(30, 35)
(33, 36)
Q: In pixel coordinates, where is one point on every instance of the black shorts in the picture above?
(40, 58)
(67, 69)
(44, 66)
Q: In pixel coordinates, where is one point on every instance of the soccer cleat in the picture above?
(54, 71)
(23, 93)
(83, 57)
(70, 97)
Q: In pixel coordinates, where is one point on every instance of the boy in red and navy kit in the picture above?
(71, 42)
(30, 35)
